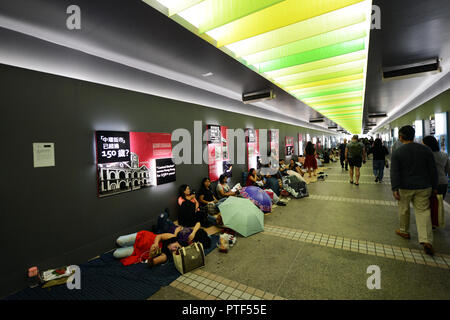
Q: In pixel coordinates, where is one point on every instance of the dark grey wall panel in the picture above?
(52, 216)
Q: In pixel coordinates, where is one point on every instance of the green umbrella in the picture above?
(242, 216)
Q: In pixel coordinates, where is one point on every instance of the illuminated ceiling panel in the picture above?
(315, 50)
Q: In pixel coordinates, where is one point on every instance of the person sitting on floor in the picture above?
(254, 180)
(293, 166)
(223, 189)
(190, 212)
(208, 201)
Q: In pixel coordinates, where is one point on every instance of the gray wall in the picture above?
(52, 216)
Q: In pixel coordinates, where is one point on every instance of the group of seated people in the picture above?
(196, 211)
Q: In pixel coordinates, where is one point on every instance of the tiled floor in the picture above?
(207, 286)
(320, 247)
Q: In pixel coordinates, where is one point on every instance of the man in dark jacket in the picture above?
(413, 179)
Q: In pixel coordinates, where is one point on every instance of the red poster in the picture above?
(218, 154)
(140, 169)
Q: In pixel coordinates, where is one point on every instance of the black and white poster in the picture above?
(165, 171)
(112, 146)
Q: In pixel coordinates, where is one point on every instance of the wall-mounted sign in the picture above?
(252, 136)
(289, 141)
(217, 150)
(300, 144)
(44, 154)
(165, 171)
(127, 163)
(112, 146)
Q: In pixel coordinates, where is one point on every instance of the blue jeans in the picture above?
(378, 169)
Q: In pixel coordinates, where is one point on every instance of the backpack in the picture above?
(355, 149)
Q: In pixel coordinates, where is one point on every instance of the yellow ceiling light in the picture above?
(315, 50)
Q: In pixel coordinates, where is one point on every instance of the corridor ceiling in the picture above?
(316, 56)
(314, 50)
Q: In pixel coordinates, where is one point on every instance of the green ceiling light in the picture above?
(322, 71)
(315, 50)
(277, 16)
(329, 87)
(334, 37)
(313, 55)
(329, 93)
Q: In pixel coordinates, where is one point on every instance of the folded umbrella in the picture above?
(242, 216)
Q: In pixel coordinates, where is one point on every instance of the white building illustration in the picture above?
(124, 176)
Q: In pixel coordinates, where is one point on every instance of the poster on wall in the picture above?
(252, 137)
(274, 146)
(440, 129)
(218, 155)
(289, 142)
(128, 161)
(300, 144)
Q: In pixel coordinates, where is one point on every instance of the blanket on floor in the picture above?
(105, 278)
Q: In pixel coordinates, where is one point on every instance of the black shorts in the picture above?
(355, 162)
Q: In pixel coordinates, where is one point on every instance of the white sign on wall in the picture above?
(44, 154)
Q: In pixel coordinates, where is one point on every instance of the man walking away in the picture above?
(342, 148)
(413, 179)
(355, 155)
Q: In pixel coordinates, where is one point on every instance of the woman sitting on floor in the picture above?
(223, 189)
(253, 179)
(190, 212)
(294, 169)
(208, 201)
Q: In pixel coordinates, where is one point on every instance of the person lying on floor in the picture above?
(145, 245)
(185, 235)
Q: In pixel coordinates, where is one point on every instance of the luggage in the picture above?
(437, 211)
(189, 258)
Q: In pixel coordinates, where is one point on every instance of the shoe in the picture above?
(281, 203)
(376, 179)
(380, 181)
(403, 234)
(356, 184)
(351, 182)
(428, 248)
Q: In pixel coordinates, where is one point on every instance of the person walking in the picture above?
(442, 164)
(355, 155)
(379, 159)
(310, 161)
(342, 148)
(414, 178)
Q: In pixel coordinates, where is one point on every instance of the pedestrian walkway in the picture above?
(320, 248)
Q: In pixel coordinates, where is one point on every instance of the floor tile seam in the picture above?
(347, 243)
(208, 286)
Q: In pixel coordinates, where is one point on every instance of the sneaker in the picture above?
(403, 234)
